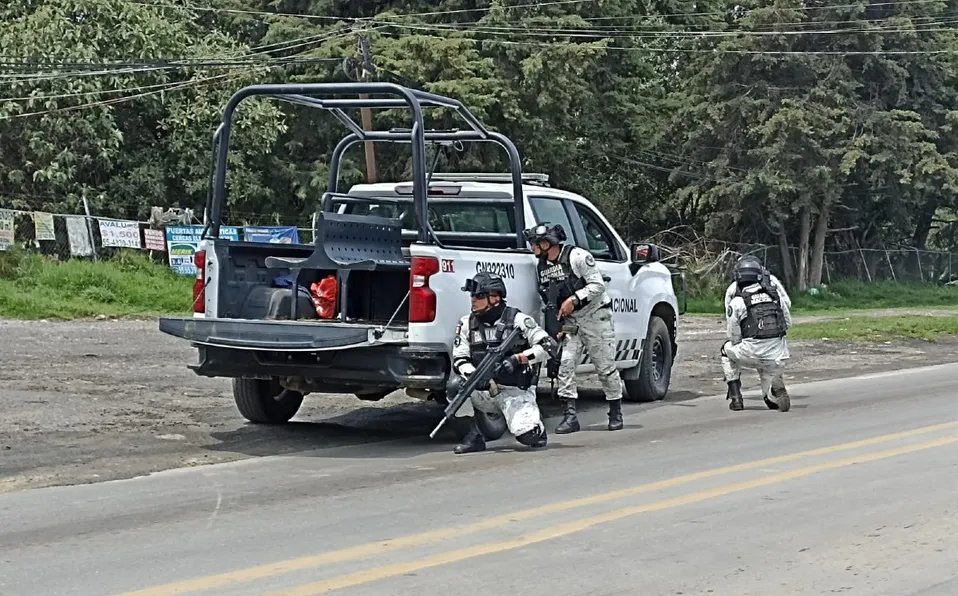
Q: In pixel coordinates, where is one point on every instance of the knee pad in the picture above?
(532, 437)
(493, 426)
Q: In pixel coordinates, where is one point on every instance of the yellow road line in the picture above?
(372, 549)
(387, 571)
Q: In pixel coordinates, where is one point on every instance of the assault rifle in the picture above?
(553, 326)
(497, 359)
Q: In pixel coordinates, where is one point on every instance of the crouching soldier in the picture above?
(757, 312)
(512, 394)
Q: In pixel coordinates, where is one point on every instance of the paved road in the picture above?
(854, 490)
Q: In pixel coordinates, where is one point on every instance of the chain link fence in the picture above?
(168, 237)
(708, 257)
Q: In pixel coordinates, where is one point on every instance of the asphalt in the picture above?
(852, 491)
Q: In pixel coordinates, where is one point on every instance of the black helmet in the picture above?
(485, 283)
(748, 269)
(554, 234)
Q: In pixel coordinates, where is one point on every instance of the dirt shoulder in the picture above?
(89, 401)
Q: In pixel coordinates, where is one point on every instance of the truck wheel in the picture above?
(373, 394)
(265, 401)
(654, 371)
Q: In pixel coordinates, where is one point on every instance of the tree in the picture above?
(94, 110)
(792, 115)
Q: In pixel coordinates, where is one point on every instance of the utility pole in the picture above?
(366, 70)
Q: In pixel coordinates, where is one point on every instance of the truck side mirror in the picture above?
(642, 253)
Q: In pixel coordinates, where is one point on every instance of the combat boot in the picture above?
(782, 401)
(570, 423)
(473, 441)
(735, 395)
(542, 440)
(615, 414)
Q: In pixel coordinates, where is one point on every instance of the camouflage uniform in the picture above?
(768, 355)
(589, 327)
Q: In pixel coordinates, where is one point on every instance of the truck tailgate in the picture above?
(246, 334)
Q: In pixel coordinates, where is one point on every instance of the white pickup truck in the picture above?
(397, 275)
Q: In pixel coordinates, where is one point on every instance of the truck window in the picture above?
(598, 240)
(548, 210)
(471, 215)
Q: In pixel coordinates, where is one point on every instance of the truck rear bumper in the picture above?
(327, 356)
(339, 371)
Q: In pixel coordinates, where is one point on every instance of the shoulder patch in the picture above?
(530, 324)
(589, 260)
(459, 328)
(728, 313)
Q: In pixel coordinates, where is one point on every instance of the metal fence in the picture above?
(167, 237)
(704, 256)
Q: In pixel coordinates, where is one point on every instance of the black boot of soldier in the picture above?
(473, 441)
(570, 423)
(735, 394)
(615, 414)
(782, 401)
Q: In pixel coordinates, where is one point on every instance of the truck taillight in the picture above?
(199, 284)
(422, 300)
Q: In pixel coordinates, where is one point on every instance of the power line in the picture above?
(159, 64)
(352, 19)
(652, 49)
(148, 66)
(468, 28)
(119, 100)
(793, 8)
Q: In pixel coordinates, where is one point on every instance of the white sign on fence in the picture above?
(79, 236)
(124, 234)
(43, 224)
(6, 230)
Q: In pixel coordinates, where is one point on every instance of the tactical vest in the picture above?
(558, 277)
(483, 337)
(764, 318)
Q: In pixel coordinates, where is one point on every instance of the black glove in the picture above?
(511, 364)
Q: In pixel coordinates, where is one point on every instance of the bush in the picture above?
(36, 287)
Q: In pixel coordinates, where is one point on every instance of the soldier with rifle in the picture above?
(497, 352)
(575, 296)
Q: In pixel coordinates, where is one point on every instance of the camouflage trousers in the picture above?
(517, 406)
(596, 335)
(771, 371)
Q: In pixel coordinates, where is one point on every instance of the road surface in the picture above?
(852, 491)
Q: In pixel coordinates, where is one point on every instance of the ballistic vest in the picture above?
(558, 278)
(764, 318)
(484, 337)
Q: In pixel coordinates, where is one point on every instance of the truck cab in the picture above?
(393, 258)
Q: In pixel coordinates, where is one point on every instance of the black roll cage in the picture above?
(416, 135)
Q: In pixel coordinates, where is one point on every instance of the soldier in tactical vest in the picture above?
(757, 310)
(512, 394)
(569, 275)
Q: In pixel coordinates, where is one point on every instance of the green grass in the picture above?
(871, 329)
(37, 287)
(842, 296)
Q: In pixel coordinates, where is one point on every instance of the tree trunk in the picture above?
(818, 247)
(923, 224)
(803, 232)
(787, 269)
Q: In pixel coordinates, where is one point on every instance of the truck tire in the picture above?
(264, 401)
(373, 394)
(655, 368)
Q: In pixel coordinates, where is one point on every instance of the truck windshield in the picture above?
(470, 215)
